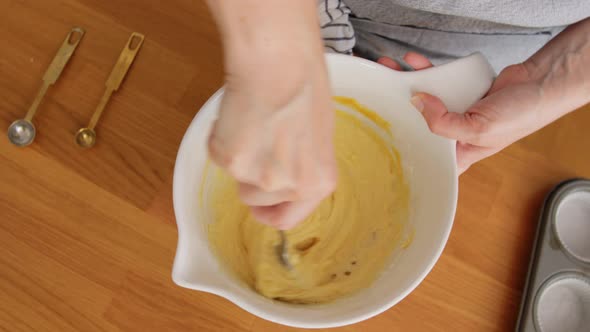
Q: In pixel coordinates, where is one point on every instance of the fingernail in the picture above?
(417, 102)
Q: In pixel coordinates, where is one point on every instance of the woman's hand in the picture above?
(524, 98)
(275, 139)
(508, 112)
(274, 133)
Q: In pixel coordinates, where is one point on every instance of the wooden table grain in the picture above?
(87, 238)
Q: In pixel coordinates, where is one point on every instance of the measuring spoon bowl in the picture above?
(85, 138)
(21, 132)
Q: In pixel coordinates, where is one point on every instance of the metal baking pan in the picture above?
(556, 296)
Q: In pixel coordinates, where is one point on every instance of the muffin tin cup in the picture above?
(563, 303)
(556, 296)
(571, 225)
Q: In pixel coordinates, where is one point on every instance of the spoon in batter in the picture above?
(282, 251)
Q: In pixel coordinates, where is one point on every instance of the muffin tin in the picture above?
(556, 296)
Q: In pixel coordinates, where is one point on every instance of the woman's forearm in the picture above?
(271, 28)
(270, 46)
(562, 69)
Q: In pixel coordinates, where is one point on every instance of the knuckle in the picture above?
(328, 185)
(435, 125)
(519, 70)
(320, 186)
(261, 215)
(246, 193)
(272, 179)
(479, 126)
(218, 152)
(266, 181)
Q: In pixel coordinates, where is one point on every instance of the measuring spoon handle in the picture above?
(37, 101)
(125, 60)
(100, 107)
(63, 55)
(54, 70)
(118, 74)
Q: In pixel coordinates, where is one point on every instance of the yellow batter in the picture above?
(343, 246)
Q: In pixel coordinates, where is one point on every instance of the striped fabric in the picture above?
(337, 31)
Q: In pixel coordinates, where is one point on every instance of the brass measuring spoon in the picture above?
(86, 137)
(22, 132)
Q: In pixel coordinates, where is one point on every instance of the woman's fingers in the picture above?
(469, 154)
(285, 215)
(390, 63)
(414, 60)
(462, 127)
(254, 196)
(417, 61)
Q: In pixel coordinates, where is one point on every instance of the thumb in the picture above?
(458, 126)
(469, 154)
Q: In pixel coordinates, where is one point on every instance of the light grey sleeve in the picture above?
(337, 31)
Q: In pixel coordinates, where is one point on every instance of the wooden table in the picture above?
(87, 238)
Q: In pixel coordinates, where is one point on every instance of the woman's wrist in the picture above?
(561, 70)
(253, 29)
(269, 45)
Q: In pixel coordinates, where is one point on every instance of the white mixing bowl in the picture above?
(430, 169)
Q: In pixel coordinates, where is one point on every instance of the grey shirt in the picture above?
(505, 31)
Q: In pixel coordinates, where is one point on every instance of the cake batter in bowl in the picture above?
(428, 167)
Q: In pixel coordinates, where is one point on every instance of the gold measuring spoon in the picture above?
(22, 132)
(86, 137)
